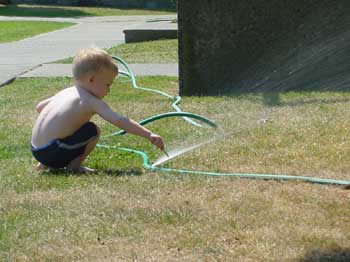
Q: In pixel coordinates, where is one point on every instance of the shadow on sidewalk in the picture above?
(38, 11)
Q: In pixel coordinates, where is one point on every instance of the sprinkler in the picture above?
(200, 120)
(166, 153)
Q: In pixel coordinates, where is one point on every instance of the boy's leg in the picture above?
(76, 164)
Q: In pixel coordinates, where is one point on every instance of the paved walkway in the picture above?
(19, 57)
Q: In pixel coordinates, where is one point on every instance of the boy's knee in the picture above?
(98, 130)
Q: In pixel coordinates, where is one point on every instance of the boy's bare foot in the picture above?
(40, 167)
(82, 170)
(76, 167)
(87, 170)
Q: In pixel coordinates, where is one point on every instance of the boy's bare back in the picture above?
(63, 114)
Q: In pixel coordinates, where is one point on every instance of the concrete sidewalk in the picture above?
(19, 57)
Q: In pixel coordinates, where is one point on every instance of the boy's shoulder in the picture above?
(69, 95)
(86, 98)
(66, 91)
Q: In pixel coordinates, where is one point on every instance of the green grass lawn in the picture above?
(125, 213)
(17, 30)
(159, 51)
(71, 11)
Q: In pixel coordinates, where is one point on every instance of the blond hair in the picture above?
(91, 60)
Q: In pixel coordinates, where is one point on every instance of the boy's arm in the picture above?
(129, 125)
(42, 104)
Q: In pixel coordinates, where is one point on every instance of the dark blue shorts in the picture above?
(60, 152)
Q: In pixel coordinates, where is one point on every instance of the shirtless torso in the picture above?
(64, 113)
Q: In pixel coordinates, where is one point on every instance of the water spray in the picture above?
(181, 151)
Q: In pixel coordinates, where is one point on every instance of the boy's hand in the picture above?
(157, 141)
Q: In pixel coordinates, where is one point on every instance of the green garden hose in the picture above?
(131, 75)
(170, 114)
(148, 166)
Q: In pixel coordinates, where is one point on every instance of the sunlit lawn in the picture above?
(125, 213)
(159, 51)
(17, 30)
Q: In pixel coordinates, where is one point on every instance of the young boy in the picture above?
(63, 135)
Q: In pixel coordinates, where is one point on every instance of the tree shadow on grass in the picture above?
(108, 172)
(274, 99)
(38, 11)
(336, 254)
